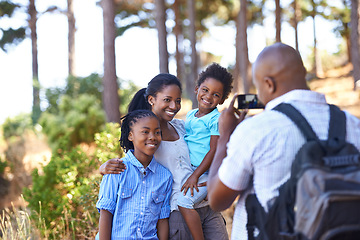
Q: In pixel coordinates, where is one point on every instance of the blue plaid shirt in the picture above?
(136, 200)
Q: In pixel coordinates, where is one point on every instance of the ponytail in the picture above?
(139, 101)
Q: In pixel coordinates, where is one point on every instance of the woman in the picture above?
(163, 97)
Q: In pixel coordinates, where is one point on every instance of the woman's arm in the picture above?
(192, 181)
(163, 228)
(112, 166)
(105, 223)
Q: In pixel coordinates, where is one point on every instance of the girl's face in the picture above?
(209, 94)
(166, 103)
(145, 134)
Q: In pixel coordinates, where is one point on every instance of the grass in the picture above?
(16, 224)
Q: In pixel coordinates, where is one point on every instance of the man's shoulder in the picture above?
(265, 119)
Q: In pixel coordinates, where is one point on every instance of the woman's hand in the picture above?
(112, 166)
(191, 183)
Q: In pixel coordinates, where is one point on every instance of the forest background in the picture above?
(73, 65)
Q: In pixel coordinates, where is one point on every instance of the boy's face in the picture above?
(146, 137)
(209, 94)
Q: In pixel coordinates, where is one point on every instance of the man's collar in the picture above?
(297, 95)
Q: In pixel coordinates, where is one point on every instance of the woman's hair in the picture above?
(127, 122)
(219, 73)
(156, 85)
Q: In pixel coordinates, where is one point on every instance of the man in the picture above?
(256, 155)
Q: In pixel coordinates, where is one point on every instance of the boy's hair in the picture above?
(219, 73)
(156, 84)
(127, 122)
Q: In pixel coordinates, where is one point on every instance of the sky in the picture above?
(136, 51)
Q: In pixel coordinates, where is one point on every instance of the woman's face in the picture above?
(166, 103)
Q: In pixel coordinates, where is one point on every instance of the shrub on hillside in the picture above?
(68, 187)
(77, 121)
(16, 126)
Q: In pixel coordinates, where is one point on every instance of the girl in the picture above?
(163, 97)
(201, 125)
(136, 204)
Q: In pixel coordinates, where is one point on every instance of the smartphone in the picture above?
(249, 101)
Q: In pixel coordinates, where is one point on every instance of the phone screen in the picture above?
(249, 101)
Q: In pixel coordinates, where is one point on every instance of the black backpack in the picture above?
(321, 200)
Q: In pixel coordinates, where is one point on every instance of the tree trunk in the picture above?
(278, 20)
(35, 69)
(190, 86)
(354, 37)
(71, 36)
(110, 92)
(296, 16)
(242, 46)
(238, 86)
(178, 38)
(318, 71)
(160, 11)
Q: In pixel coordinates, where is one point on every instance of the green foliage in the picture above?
(7, 8)
(126, 93)
(17, 125)
(3, 165)
(11, 36)
(77, 120)
(68, 186)
(75, 86)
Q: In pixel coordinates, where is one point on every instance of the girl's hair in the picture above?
(156, 85)
(219, 73)
(127, 122)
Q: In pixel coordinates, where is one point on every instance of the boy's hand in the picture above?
(191, 183)
(112, 166)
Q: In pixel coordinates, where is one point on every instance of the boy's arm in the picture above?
(163, 228)
(105, 223)
(192, 181)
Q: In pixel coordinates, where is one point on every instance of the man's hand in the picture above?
(230, 118)
(220, 196)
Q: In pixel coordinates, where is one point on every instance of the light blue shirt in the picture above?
(136, 200)
(198, 133)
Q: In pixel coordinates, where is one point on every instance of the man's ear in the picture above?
(130, 137)
(270, 84)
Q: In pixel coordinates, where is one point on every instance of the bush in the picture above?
(75, 86)
(3, 165)
(17, 125)
(68, 187)
(77, 121)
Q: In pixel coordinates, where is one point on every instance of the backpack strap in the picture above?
(337, 126)
(300, 121)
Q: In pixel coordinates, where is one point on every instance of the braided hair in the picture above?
(127, 122)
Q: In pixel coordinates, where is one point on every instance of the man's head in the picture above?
(277, 70)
